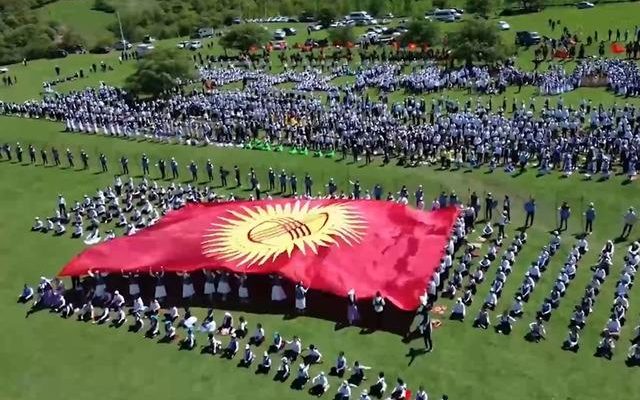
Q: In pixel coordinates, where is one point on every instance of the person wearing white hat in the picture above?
(283, 370)
(319, 385)
(265, 365)
(459, 311)
(344, 391)
(38, 225)
(248, 356)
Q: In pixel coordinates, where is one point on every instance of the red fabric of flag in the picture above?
(617, 48)
(330, 245)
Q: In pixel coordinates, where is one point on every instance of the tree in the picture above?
(71, 40)
(341, 36)
(243, 37)
(376, 7)
(161, 70)
(480, 7)
(326, 16)
(478, 41)
(440, 4)
(104, 6)
(420, 32)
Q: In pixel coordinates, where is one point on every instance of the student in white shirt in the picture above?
(482, 320)
(358, 373)
(537, 331)
(265, 365)
(421, 394)
(319, 385)
(605, 347)
(295, 347)
(258, 336)
(613, 328)
(314, 356)
(283, 370)
(459, 311)
(379, 387)
(572, 342)
(344, 391)
(341, 365)
(505, 323)
(400, 391)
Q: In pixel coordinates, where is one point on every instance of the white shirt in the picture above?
(321, 380)
(460, 308)
(345, 390)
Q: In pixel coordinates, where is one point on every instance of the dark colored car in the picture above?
(307, 18)
(289, 31)
(526, 38)
(100, 50)
(57, 53)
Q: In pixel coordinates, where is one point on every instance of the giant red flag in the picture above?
(329, 245)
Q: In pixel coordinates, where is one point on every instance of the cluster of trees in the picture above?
(23, 34)
(160, 72)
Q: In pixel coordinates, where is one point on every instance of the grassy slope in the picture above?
(468, 363)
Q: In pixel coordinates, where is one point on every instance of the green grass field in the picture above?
(47, 356)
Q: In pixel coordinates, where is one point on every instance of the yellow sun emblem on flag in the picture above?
(257, 234)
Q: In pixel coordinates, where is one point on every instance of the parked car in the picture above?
(195, 45)
(205, 32)
(144, 48)
(316, 27)
(279, 35)
(526, 38)
(183, 45)
(289, 31)
(4, 70)
(584, 5)
(57, 53)
(307, 18)
(100, 50)
(279, 45)
(503, 26)
(148, 39)
(236, 21)
(442, 15)
(122, 45)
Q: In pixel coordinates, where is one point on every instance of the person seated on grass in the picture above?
(572, 342)
(579, 318)
(86, 312)
(77, 231)
(341, 365)
(619, 313)
(26, 295)
(138, 323)
(459, 311)
(295, 347)
(109, 235)
(467, 298)
(258, 336)
(358, 373)
(248, 356)
(213, 345)
(122, 221)
(380, 387)
(138, 306)
(49, 226)
(130, 230)
(284, 370)
(482, 320)
(491, 300)
(613, 328)
(400, 391)
(232, 348)
(58, 302)
(169, 331)
(517, 308)
(303, 373)
(537, 331)
(38, 225)
(421, 394)
(545, 311)
(605, 347)
(265, 365)
(313, 356)
(450, 291)
(505, 324)
(319, 385)
(154, 328)
(633, 355)
(173, 315)
(242, 329)
(277, 344)
(226, 326)
(67, 311)
(59, 229)
(487, 231)
(344, 391)
(534, 271)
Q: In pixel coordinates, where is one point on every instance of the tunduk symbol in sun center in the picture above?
(262, 233)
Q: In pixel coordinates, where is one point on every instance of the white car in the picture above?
(585, 4)
(182, 45)
(194, 45)
(503, 26)
(279, 35)
(4, 70)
